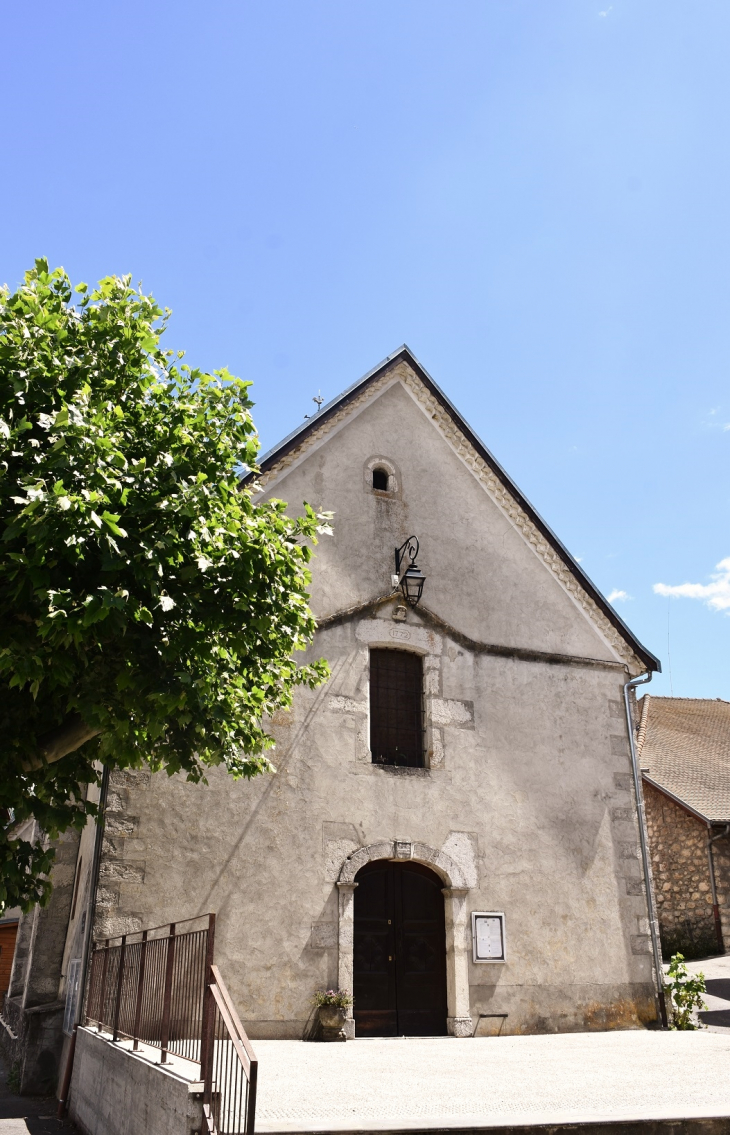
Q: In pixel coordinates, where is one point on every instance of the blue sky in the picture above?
(534, 196)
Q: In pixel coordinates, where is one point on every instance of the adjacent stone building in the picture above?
(451, 830)
(684, 751)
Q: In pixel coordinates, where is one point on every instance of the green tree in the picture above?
(149, 609)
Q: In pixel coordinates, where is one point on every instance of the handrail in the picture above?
(229, 1085)
(220, 991)
(235, 1040)
(166, 992)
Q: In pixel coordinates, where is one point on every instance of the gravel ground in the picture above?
(443, 1081)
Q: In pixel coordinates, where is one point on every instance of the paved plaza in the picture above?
(447, 1082)
(717, 979)
(442, 1082)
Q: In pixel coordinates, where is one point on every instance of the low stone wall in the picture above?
(115, 1092)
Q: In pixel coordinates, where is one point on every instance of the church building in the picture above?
(451, 832)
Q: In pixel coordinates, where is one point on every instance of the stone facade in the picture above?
(525, 804)
(682, 882)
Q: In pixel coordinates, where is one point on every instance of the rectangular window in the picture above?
(396, 708)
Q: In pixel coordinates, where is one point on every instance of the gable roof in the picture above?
(684, 750)
(295, 439)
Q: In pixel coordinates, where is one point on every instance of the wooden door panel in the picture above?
(373, 951)
(399, 951)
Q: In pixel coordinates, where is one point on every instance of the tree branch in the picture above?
(66, 739)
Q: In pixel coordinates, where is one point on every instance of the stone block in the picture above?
(118, 825)
(340, 704)
(324, 935)
(115, 870)
(449, 711)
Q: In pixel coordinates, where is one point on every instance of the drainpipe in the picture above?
(715, 906)
(653, 928)
(88, 935)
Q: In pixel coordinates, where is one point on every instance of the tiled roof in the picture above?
(684, 748)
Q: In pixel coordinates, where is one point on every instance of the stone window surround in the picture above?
(455, 890)
(377, 461)
(438, 711)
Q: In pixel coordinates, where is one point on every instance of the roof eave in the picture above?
(682, 803)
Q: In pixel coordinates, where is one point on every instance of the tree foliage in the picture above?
(149, 608)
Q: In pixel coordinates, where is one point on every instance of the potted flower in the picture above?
(333, 1005)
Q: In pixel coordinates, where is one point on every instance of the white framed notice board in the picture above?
(489, 942)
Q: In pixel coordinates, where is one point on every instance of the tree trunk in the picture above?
(66, 739)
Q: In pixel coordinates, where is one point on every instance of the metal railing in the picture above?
(151, 986)
(159, 987)
(230, 1068)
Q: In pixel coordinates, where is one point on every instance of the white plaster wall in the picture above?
(528, 788)
(483, 577)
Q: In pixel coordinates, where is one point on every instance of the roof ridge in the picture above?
(643, 722)
(671, 698)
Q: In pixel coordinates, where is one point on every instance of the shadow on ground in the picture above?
(718, 987)
(26, 1115)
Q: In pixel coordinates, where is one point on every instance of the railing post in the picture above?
(102, 996)
(167, 997)
(120, 980)
(140, 986)
(93, 987)
(252, 1085)
(206, 1025)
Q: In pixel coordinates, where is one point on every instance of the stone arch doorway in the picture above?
(399, 950)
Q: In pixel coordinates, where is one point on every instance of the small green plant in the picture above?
(340, 998)
(685, 993)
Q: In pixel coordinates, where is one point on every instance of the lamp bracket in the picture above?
(409, 548)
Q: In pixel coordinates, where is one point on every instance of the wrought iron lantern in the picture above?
(411, 579)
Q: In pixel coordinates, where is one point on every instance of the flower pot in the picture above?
(332, 1019)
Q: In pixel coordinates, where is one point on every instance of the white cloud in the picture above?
(618, 596)
(604, 14)
(716, 594)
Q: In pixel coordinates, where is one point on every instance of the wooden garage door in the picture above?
(7, 950)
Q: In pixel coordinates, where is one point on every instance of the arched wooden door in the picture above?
(399, 958)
